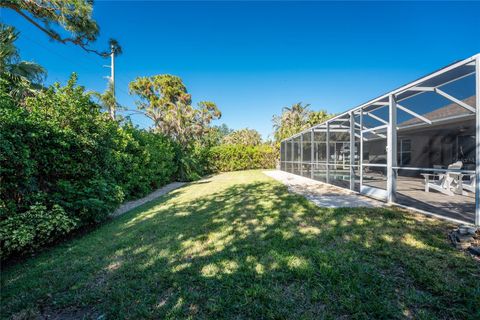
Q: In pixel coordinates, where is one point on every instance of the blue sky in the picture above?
(253, 58)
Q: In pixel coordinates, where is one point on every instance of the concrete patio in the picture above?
(410, 193)
(322, 194)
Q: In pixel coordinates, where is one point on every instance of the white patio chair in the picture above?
(449, 183)
(470, 185)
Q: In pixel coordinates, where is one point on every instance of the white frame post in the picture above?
(360, 156)
(477, 140)
(392, 149)
(312, 153)
(281, 154)
(301, 154)
(327, 151)
(352, 150)
(292, 156)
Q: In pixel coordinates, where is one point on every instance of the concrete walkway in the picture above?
(127, 206)
(322, 194)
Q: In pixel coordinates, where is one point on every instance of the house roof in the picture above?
(448, 111)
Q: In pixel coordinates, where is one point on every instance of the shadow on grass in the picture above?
(250, 251)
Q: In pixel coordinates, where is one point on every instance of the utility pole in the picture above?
(111, 79)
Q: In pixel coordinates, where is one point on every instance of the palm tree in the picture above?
(107, 100)
(23, 77)
(292, 120)
(317, 117)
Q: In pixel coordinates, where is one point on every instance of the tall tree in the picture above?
(165, 100)
(316, 117)
(249, 137)
(291, 121)
(107, 99)
(73, 16)
(215, 135)
(296, 118)
(23, 77)
(223, 130)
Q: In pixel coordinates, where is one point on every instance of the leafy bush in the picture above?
(146, 161)
(36, 227)
(242, 157)
(58, 150)
(61, 150)
(64, 164)
(193, 161)
(248, 137)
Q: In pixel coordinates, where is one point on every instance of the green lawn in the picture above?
(240, 246)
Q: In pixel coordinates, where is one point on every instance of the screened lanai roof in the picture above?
(433, 82)
(451, 110)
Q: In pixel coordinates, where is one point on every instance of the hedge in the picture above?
(64, 164)
(242, 157)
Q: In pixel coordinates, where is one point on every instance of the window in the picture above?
(404, 152)
(466, 149)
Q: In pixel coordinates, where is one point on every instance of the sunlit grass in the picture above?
(239, 246)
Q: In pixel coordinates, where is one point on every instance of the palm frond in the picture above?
(28, 70)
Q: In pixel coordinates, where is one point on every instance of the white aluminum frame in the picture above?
(390, 100)
(352, 151)
(477, 139)
(392, 150)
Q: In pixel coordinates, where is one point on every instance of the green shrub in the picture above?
(193, 161)
(36, 227)
(242, 157)
(145, 162)
(60, 149)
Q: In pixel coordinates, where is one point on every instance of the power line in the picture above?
(83, 68)
(50, 50)
(69, 59)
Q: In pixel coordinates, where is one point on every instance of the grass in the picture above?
(238, 245)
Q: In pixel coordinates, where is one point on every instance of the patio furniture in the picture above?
(449, 183)
(470, 185)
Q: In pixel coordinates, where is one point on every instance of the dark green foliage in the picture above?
(36, 227)
(241, 157)
(193, 161)
(146, 163)
(64, 164)
(59, 151)
(22, 78)
(164, 99)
